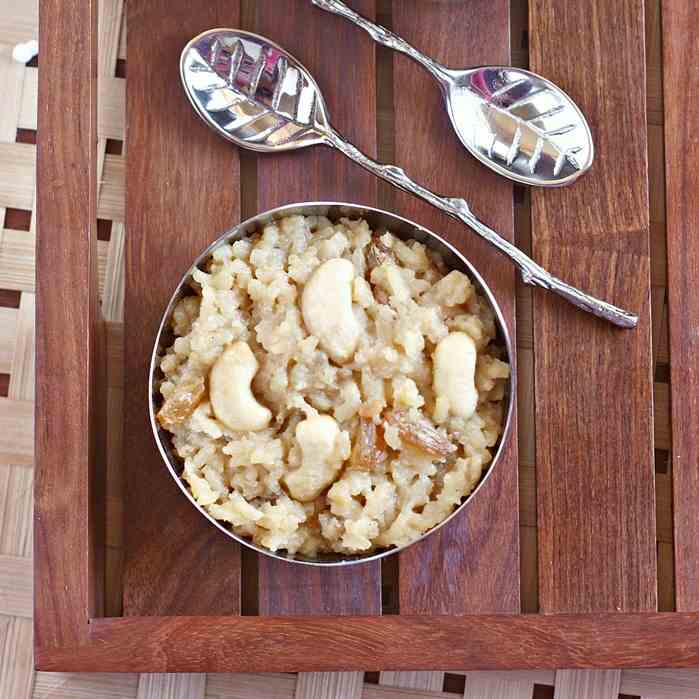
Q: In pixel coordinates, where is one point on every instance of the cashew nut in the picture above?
(454, 362)
(326, 305)
(230, 394)
(320, 461)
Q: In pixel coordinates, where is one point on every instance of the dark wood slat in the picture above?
(182, 191)
(287, 644)
(681, 106)
(472, 565)
(347, 59)
(341, 59)
(66, 340)
(594, 429)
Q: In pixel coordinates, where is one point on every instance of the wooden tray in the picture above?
(192, 601)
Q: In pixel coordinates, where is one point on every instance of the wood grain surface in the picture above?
(171, 686)
(472, 564)
(319, 174)
(587, 684)
(668, 684)
(67, 338)
(594, 430)
(182, 191)
(680, 21)
(325, 643)
(482, 685)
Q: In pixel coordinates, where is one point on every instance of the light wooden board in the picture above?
(171, 686)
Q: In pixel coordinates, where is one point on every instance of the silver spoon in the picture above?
(258, 96)
(515, 122)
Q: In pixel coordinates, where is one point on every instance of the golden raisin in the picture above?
(181, 403)
(421, 433)
(367, 452)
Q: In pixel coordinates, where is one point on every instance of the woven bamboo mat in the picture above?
(18, 85)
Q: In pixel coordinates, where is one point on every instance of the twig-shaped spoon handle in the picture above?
(532, 273)
(515, 122)
(383, 36)
(249, 106)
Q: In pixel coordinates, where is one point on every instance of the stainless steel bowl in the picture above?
(377, 219)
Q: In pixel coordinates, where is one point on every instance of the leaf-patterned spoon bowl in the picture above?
(515, 122)
(258, 96)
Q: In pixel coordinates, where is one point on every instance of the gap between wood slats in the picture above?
(385, 126)
(111, 102)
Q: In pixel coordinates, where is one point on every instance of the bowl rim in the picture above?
(314, 208)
